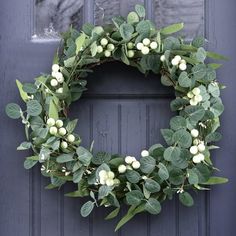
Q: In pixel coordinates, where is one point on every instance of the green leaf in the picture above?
(132, 17)
(77, 175)
(182, 138)
(213, 137)
(199, 71)
(84, 155)
(36, 122)
(71, 125)
(167, 135)
(24, 146)
(69, 62)
(216, 56)
(65, 158)
(134, 197)
(178, 104)
(13, 110)
(29, 162)
(171, 43)
(171, 153)
(113, 214)
(178, 122)
(214, 65)
(101, 157)
(216, 180)
(163, 172)
(143, 28)
(214, 90)
(140, 10)
(186, 199)
(201, 54)
(198, 41)
(192, 177)
(103, 191)
(132, 176)
(184, 80)
(176, 176)
(195, 113)
(147, 164)
(23, 94)
(29, 88)
(33, 108)
(165, 80)
(53, 112)
(217, 107)
(80, 42)
(172, 28)
(126, 31)
(87, 208)
(87, 28)
(152, 186)
(153, 206)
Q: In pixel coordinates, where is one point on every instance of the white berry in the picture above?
(182, 61)
(182, 66)
(107, 53)
(162, 58)
(145, 153)
(110, 47)
(62, 131)
(54, 73)
(130, 53)
(60, 90)
(59, 77)
(194, 150)
(99, 49)
(102, 174)
(190, 95)
(64, 144)
(196, 141)
(54, 82)
(53, 130)
(59, 123)
(129, 159)
(145, 50)
(177, 58)
(136, 164)
(104, 41)
(174, 62)
(116, 181)
(194, 133)
(196, 91)
(55, 67)
(110, 175)
(146, 41)
(201, 147)
(153, 45)
(109, 182)
(130, 45)
(198, 98)
(71, 138)
(50, 122)
(121, 169)
(193, 102)
(139, 46)
(198, 158)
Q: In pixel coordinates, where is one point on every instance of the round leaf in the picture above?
(153, 206)
(186, 199)
(33, 108)
(13, 110)
(87, 208)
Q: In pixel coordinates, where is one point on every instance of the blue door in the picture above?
(122, 111)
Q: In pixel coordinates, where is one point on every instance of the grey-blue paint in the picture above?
(122, 112)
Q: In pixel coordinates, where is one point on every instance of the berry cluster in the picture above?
(57, 78)
(108, 178)
(146, 46)
(179, 62)
(105, 46)
(56, 128)
(195, 96)
(197, 148)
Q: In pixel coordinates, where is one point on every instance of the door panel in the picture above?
(122, 112)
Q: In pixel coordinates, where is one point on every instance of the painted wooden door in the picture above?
(122, 112)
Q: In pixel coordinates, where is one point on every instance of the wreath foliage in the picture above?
(184, 163)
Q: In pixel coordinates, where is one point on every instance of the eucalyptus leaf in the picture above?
(13, 110)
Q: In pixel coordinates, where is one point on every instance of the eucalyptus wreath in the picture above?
(144, 182)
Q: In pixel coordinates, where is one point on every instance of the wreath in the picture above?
(142, 183)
